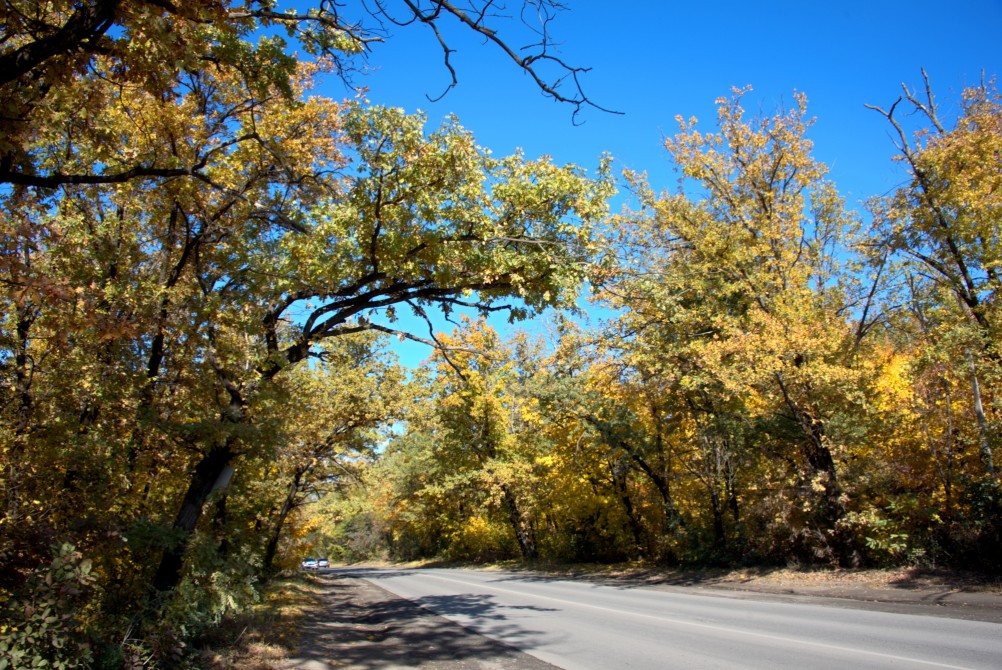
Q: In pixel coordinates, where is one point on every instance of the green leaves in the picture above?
(434, 219)
(41, 625)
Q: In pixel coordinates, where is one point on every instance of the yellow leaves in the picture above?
(894, 384)
(946, 220)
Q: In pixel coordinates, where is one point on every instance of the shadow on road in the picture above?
(361, 572)
(363, 626)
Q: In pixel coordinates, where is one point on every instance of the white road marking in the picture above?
(693, 624)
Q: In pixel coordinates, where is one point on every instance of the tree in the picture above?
(941, 230)
(736, 301)
(430, 221)
(182, 232)
(484, 437)
(623, 421)
(496, 460)
(946, 222)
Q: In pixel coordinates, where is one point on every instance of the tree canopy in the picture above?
(195, 244)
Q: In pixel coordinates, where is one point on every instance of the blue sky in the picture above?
(655, 60)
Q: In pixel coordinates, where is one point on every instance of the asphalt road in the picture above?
(574, 624)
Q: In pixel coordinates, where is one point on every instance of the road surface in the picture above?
(580, 625)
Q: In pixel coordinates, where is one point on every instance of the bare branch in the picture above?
(889, 115)
(864, 326)
(929, 107)
(528, 64)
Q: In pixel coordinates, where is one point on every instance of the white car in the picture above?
(310, 564)
(323, 563)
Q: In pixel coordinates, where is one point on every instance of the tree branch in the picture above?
(90, 20)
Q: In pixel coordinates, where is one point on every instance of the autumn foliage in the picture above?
(784, 382)
(202, 261)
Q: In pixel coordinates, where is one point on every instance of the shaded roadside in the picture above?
(358, 625)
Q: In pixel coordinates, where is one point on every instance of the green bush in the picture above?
(39, 626)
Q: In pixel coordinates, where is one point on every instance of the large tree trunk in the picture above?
(833, 510)
(732, 493)
(822, 465)
(619, 471)
(522, 533)
(23, 374)
(673, 518)
(212, 472)
(288, 504)
(984, 442)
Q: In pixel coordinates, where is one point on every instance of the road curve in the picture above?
(580, 625)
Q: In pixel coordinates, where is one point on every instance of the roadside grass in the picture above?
(263, 636)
